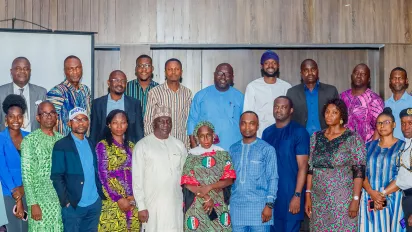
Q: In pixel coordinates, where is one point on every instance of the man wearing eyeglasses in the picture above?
(42, 200)
(116, 99)
(20, 72)
(404, 163)
(400, 99)
(69, 94)
(75, 176)
(140, 87)
(219, 104)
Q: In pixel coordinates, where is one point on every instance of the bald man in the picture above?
(116, 99)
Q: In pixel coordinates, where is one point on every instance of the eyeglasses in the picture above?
(118, 81)
(386, 122)
(221, 74)
(144, 65)
(49, 114)
(80, 120)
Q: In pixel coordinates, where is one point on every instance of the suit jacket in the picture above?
(300, 110)
(98, 118)
(36, 93)
(67, 172)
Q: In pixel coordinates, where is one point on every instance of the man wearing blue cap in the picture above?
(261, 93)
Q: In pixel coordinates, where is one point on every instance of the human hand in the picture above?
(266, 214)
(410, 220)
(294, 205)
(353, 208)
(203, 190)
(19, 210)
(377, 197)
(18, 193)
(123, 204)
(208, 204)
(308, 206)
(36, 213)
(143, 216)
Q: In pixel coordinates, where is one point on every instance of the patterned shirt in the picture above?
(363, 110)
(179, 102)
(135, 90)
(64, 98)
(256, 183)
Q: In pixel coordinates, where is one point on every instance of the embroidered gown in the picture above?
(333, 165)
(203, 167)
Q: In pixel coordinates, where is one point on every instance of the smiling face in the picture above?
(270, 68)
(14, 118)
(79, 124)
(20, 72)
(117, 82)
(223, 77)
(46, 115)
(144, 69)
(162, 127)
(398, 81)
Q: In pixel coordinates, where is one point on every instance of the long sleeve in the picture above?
(56, 97)
(29, 169)
(194, 113)
(138, 165)
(5, 174)
(148, 117)
(358, 156)
(103, 166)
(58, 171)
(249, 99)
(272, 172)
(377, 106)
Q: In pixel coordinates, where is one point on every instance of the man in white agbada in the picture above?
(158, 161)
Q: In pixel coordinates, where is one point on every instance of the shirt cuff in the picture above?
(270, 199)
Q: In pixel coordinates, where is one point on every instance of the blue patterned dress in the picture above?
(381, 170)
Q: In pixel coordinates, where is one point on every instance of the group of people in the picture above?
(148, 157)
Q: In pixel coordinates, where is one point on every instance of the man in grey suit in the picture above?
(309, 97)
(20, 72)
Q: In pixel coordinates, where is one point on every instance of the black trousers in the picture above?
(407, 210)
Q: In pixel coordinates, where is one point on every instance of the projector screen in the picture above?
(46, 52)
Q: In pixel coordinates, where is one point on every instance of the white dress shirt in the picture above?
(404, 178)
(26, 94)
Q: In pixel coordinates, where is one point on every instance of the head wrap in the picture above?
(269, 55)
(77, 111)
(405, 112)
(162, 111)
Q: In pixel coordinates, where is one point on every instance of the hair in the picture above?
(250, 112)
(144, 56)
(287, 98)
(13, 100)
(108, 133)
(400, 69)
(387, 111)
(71, 57)
(340, 104)
(175, 60)
(19, 58)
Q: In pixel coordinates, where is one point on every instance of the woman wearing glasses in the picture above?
(378, 213)
(14, 106)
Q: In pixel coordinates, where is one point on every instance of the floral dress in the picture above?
(333, 165)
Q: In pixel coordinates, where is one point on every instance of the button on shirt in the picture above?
(114, 105)
(26, 94)
(312, 123)
(397, 106)
(89, 194)
(404, 178)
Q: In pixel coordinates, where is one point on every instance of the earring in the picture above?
(341, 121)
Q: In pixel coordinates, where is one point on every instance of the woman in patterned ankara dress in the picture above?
(381, 170)
(114, 157)
(206, 179)
(336, 172)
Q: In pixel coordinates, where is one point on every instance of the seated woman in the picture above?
(14, 106)
(114, 157)
(207, 174)
(381, 170)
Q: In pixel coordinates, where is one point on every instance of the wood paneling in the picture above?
(104, 62)
(128, 55)
(221, 21)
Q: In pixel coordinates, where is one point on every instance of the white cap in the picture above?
(77, 111)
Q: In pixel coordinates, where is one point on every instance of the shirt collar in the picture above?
(110, 98)
(316, 86)
(18, 87)
(404, 97)
(77, 139)
(71, 87)
(136, 82)
(249, 143)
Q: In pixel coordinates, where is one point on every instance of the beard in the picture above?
(265, 74)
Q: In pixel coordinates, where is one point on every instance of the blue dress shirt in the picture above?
(114, 105)
(89, 193)
(313, 123)
(397, 106)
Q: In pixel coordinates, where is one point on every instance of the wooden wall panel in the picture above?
(128, 55)
(221, 21)
(104, 62)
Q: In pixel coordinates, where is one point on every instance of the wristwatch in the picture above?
(269, 205)
(356, 198)
(297, 194)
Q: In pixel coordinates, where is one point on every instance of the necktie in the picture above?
(21, 92)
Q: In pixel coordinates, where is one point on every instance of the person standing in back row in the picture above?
(261, 93)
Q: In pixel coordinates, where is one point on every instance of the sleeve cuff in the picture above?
(270, 199)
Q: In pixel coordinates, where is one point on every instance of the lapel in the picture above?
(33, 99)
(320, 100)
(128, 104)
(104, 107)
(11, 89)
(73, 145)
(302, 97)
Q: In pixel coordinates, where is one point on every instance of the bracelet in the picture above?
(308, 191)
(207, 200)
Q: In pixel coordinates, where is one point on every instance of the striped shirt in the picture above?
(64, 98)
(135, 90)
(179, 102)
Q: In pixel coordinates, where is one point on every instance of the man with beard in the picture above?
(400, 99)
(291, 141)
(116, 99)
(157, 166)
(75, 176)
(69, 94)
(363, 104)
(42, 200)
(140, 87)
(20, 72)
(174, 95)
(219, 104)
(309, 98)
(261, 93)
(254, 190)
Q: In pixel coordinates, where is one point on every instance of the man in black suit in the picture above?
(309, 97)
(116, 99)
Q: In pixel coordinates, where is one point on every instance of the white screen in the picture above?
(46, 53)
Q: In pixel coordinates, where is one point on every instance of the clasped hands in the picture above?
(203, 192)
(378, 198)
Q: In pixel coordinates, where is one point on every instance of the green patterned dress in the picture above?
(36, 166)
(207, 167)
